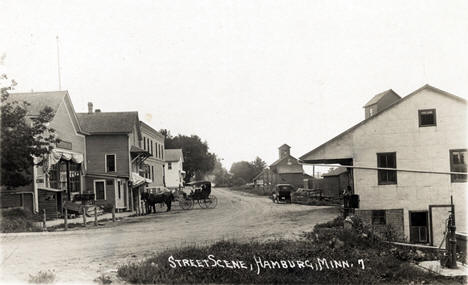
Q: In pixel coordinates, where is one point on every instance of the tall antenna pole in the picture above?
(58, 64)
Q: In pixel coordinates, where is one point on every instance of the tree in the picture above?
(22, 138)
(258, 165)
(242, 170)
(198, 161)
(221, 176)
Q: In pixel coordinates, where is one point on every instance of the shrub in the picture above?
(17, 220)
(42, 277)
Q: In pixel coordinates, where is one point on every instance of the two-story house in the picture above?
(153, 142)
(114, 157)
(174, 168)
(406, 162)
(62, 174)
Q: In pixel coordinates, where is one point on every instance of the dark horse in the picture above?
(152, 199)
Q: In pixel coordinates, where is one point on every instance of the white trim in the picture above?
(115, 162)
(94, 186)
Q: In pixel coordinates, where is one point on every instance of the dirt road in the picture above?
(82, 255)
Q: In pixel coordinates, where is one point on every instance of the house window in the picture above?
(152, 148)
(378, 217)
(458, 164)
(152, 172)
(144, 143)
(387, 160)
(427, 118)
(169, 165)
(100, 189)
(110, 163)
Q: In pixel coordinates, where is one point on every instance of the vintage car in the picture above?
(283, 193)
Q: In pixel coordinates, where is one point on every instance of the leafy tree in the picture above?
(258, 165)
(242, 169)
(246, 171)
(22, 138)
(198, 161)
(221, 176)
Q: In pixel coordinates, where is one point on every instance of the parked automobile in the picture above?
(282, 193)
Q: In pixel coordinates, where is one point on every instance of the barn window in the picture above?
(427, 118)
(386, 160)
(458, 164)
(378, 217)
(110, 163)
(100, 189)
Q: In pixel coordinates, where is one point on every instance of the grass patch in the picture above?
(287, 262)
(42, 277)
(18, 220)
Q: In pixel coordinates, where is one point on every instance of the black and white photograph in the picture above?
(233, 142)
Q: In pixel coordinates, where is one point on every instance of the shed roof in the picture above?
(379, 96)
(335, 172)
(173, 155)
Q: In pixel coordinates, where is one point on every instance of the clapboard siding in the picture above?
(99, 145)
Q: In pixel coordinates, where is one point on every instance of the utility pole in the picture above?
(58, 65)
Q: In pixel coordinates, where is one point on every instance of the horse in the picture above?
(151, 200)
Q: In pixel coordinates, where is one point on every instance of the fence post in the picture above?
(66, 219)
(44, 218)
(95, 215)
(113, 213)
(84, 216)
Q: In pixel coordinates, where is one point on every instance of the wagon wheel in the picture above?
(203, 203)
(186, 204)
(211, 202)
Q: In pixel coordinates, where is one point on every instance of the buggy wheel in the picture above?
(211, 202)
(203, 203)
(186, 204)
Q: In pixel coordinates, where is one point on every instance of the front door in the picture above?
(119, 194)
(419, 227)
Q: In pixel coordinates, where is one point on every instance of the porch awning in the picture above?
(138, 180)
(56, 155)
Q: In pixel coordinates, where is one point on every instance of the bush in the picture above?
(17, 220)
(42, 277)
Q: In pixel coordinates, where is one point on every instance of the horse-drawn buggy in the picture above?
(200, 192)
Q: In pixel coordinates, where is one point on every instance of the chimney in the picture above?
(90, 107)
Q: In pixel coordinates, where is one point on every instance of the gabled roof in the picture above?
(427, 86)
(53, 99)
(281, 159)
(335, 172)
(173, 155)
(379, 96)
(109, 122)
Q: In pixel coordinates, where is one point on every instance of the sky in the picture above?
(245, 76)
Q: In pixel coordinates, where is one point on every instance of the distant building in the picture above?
(153, 142)
(174, 168)
(406, 162)
(61, 176)
(115, 158)
(285, 170)
(334, 182)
